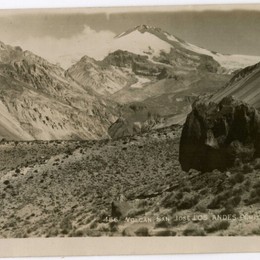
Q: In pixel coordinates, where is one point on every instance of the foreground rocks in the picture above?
(215, 136)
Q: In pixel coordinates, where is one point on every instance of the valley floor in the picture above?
(133, 186)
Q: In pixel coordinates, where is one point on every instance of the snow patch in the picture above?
(141, 82)
(230, 62)
(141, 43)
(234, 62)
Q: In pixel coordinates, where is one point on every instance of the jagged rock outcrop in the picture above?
(125, 59)
(135, 119)
(123, 127)
(215, 135)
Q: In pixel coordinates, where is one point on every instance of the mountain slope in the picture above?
(102, 77)
(244, 86)
(38, 101)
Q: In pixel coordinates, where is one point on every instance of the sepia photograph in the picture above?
(130, 122)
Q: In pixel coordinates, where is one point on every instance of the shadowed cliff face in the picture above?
(214, 135)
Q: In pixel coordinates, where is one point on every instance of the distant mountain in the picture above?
(160, 71)
(38, 101)
(154, 42)
(145, 55)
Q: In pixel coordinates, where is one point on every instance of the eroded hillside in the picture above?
(38, 101)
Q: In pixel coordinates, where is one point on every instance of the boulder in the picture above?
(214, 136)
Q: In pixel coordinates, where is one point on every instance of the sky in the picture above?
(60, 36)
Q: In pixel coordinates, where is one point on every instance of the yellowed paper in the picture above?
(129, 130)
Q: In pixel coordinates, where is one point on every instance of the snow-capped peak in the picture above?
(151, 41)
(144, 27)
(141, 28)
(141, 41)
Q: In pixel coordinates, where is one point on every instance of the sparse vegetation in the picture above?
(142, 231)
(194, 230)
(165, 233)
(214, 226)
(69, 186)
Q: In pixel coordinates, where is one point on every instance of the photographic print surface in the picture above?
(129, 122)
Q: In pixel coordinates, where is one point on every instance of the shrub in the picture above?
(65, 231)
(6, 182)
(257, 164)
(247, 184)
(93, 224)
(93, 233)
(186, 189)
(179, 195)
(201, 208)
(66, 225)
(126, 233)
(142, 204)
(169, 201)
(215, 202)
(113, 226)
(247, 168)
(188, 201)
(237, 178)
(162, 224)
(142, 232)
(102, 215)
(193, 230)
(203, 191)
(135, 212)
(217, 225)
(78, 233)
(229, 210)
(165, 233)
(256, 231)
(254, 196)
(53, 232)
(257, 185)
(237, 191)
(103, 228)
(234, 201)
(220, 200)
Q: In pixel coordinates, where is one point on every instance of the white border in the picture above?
(18, 4)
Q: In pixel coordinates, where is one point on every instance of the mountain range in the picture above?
(148, 80)
(38, 101)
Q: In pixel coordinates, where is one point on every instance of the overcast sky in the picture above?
(52, 35)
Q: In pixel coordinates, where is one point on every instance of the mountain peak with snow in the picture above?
(142, 28)
(152, 41)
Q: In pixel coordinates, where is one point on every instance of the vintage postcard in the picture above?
(130, 130)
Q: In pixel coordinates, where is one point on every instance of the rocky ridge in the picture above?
(38, 101)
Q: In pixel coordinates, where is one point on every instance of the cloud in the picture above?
(68, 50)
